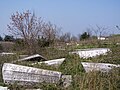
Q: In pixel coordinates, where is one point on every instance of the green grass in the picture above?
(72, 66)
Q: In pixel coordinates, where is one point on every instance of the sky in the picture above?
(73, 16)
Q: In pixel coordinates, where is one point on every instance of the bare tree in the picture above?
(27, 26)
(99, 31)
(50, 32)
(66, 37)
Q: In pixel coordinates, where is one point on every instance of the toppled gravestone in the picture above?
(86, 53)
(24, 75)
(54, 62)
(40, 59)
(35, 57)
(28, 75)
(103, 67)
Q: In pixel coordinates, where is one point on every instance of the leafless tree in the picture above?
(27, 26)
(99, 31)
(50, 32)
(66, 37)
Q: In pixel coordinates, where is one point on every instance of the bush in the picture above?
(72, 65)
(85, 35)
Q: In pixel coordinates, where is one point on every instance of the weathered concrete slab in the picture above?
(103, 67)
(28, 75)
(3, 88)
(35, 57)
(55, 62)
(86, 53)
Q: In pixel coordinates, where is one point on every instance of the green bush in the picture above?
(72, 65)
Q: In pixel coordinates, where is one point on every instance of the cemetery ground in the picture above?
(94, 80)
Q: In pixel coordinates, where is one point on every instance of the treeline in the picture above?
(66, 37)
(46, 42)
(10, 43)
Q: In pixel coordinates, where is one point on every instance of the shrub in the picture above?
(72, 65)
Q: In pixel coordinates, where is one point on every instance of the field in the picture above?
(81, 80)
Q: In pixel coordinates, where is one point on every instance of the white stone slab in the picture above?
(103, 67)
(27, 75)
(32, 57)
(86, 53)
(55, 62)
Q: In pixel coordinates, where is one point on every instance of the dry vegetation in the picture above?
(71, 65)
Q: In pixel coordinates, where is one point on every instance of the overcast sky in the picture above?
(73, 16)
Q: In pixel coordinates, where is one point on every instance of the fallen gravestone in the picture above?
(28, 75)
(33, 58)
(103, 67)
(54, 62)
(86, 53)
